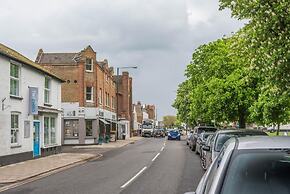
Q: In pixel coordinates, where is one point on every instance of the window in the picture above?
(49, 131)
(106, 96)
(71, 128)
(89, 94)
(89, 128)
(14, 128)
(47, 87)
(101, 96)
(14, 79)
(113, 102)
(109, 104)
(89, 64)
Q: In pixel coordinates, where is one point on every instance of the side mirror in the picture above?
(206, 148)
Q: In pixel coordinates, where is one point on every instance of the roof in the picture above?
(10, 53)
(233, 131)
(58, 58)
(264, 142)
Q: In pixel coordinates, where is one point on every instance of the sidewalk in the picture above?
(117, 144)
(24, 170)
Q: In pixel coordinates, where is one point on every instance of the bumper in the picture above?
(173, 138)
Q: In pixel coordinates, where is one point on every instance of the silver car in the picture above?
(249, 165)
(220, 137)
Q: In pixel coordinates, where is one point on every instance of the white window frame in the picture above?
(48, 90)
(92, 94)
(16, 129)
(49, 143)
(91, 64)
(113, 103)
(15, 78)
(101, 96)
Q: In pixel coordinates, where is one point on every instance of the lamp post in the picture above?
(117, 96)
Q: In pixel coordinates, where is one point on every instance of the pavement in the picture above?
(21, 171)
(151, 165)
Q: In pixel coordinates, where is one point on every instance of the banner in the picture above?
(33, 100)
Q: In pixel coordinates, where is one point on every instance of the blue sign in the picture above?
(33, 100)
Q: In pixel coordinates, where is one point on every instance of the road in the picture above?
(148, 166)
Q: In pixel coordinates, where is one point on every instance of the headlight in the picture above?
(178, 134)
(169, 134)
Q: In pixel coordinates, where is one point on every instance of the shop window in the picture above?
(89, 128)
(49, 131)
(71, 128)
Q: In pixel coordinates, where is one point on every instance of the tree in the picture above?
(267, 42)
(169, 121)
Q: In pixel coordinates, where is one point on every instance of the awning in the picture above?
(112, 121)
(104, 121)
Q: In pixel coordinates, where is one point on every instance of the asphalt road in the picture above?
(148, 166)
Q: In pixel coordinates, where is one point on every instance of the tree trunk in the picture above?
(278, 129)
(242, 119)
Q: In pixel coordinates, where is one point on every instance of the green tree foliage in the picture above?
(267, 42)
(245, 77)
(169, 121)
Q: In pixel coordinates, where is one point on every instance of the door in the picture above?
(36, 138)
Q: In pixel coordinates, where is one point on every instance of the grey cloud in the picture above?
(156, 35)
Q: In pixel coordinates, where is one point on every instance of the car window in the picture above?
(265, 172)
(213, 171)
(221, 139)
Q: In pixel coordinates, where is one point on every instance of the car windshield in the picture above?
(206, 129)
(258, 172)
(223, 137)
(204, 136)
(147, 126)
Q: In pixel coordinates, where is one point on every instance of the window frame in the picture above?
(49, 132)
(91, 94)
(16, 129)
(100, 96)
(89, 120)
(90, 64)
(17, 79)
(47, 90)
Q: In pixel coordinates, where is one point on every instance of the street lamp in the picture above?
(117, 82)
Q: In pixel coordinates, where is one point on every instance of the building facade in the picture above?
(30, 113)
(125, 106)
(88, 95)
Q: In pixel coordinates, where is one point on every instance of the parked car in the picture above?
(249, 165)
(201, 141)
(196, 133)
(159, 133)
(205, 156)
(188, 137)
(174, 135)
(220, 137)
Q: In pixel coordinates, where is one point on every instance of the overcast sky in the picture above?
(158, 36)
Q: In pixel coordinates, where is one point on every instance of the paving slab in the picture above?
(24, 170)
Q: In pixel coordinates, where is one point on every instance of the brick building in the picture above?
(125, 106)
(88, 96)
(150, 109)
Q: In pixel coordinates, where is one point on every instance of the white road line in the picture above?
(162, 149)
(129, 181)
(155, 157)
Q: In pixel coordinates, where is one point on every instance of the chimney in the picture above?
(39, 54)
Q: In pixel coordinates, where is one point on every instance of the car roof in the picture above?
(261, 142)
(233, 131)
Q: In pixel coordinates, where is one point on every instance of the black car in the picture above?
(196, 134)
(158, 133)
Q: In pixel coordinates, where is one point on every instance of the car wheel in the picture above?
(203, 163)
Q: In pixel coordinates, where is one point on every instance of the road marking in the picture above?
(162, 149)
(155, 157)
(129, 181)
